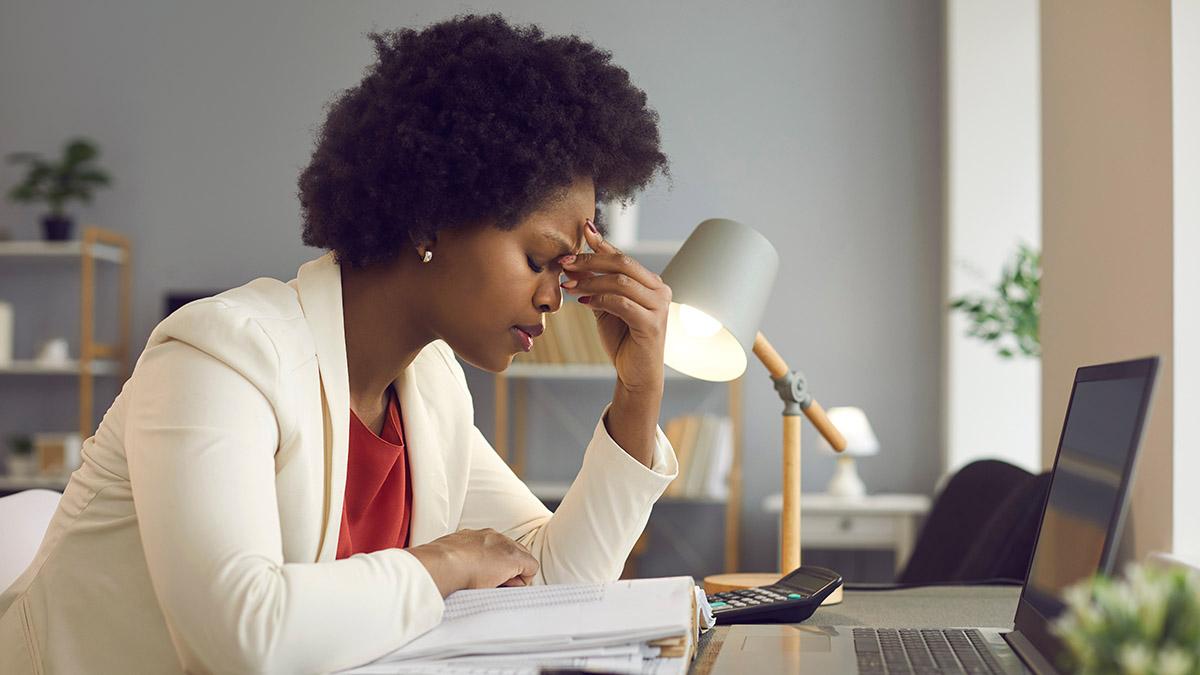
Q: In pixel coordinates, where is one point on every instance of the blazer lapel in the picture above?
(431, 494)
(320, 291)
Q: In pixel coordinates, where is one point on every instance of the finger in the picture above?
(619, 284)
(527, 565)
(634, 315)
(592, 236)
(613, 263)
(515, 581)
(607, 258)
(577, 274)
(562, 263)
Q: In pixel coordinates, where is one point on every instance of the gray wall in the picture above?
(819, 122)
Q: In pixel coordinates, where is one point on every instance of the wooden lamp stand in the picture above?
(793, 390)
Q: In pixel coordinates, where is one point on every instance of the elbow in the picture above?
(246, 629)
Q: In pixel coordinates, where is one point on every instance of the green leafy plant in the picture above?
(20, 444)
(1145, 624)
(1010, 317)
(55, 183)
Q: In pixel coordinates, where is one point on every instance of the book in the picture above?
(688, 426)
(647, 623)
(564, 333)
(582, 321)
(595, 345)
(701, 456)
(717, 480)
(674, 433)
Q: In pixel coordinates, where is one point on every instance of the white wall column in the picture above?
(993, 202)
(1185, 76)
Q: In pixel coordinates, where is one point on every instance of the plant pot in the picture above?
(22, 466)
(57, 228)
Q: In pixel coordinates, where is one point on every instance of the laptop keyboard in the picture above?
(883, 651)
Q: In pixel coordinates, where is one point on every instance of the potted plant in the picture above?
(1145, 624)
(1010, 318)
(21, 460)
(55, 183)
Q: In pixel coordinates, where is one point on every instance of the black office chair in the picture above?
(1005, 544)
(982, 526)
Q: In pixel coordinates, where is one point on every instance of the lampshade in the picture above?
(720, 281)
(852, 422)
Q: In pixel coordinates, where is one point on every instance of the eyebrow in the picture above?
(564, 246)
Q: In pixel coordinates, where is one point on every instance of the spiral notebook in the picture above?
(648, 624)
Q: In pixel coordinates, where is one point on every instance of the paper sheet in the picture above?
(532, 619)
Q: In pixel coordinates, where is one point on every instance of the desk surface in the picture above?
(932, 607)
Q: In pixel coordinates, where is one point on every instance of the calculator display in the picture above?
(805, 580)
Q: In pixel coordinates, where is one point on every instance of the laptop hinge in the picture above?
(1029, 654)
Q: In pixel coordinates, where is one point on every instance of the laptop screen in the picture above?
(1083, 512)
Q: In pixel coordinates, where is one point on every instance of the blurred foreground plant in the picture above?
(1145, 624)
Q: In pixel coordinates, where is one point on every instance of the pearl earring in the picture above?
(427, 257)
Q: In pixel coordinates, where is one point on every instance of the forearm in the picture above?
(632, 420)
(604, 512)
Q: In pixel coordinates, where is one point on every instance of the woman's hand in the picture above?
(630, 304)
(475, 559)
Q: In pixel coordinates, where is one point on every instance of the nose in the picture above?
(548, 296)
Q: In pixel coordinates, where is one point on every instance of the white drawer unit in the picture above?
(884, 521)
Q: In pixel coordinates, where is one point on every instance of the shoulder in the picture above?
(437, 365)
(258, 328)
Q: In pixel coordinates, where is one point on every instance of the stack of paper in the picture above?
(633, 626)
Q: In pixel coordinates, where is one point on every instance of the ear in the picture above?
(422, 245)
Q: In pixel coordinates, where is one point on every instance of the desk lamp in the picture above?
(860, 442)
(720, 281)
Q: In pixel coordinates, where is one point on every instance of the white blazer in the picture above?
(201, 531)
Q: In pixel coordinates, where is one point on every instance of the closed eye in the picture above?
(534, 266)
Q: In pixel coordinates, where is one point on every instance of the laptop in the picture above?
(1077, 537)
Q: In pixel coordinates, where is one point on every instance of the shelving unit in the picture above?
(514, 381)
(96, 358)
(97, 367)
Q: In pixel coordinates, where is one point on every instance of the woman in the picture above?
(292, 480)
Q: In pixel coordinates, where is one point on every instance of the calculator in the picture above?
(792, 599)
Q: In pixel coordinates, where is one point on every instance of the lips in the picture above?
(525, 335)
(532, 330)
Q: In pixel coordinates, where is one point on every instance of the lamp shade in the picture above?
(720, 281)
(852, 422)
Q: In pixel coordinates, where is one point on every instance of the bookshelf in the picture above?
(96, 358)
(574, 358)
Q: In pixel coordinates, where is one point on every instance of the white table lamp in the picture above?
(860, 442)
(720, 280)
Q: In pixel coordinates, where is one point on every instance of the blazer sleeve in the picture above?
(589, 536)
(200, 440)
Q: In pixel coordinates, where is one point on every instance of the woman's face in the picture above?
(494, 285)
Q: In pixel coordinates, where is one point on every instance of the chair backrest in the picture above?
(23, 520)
(959, 515)
(1005, 545)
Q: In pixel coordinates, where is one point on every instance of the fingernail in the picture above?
(567, 259)
(585, 299)
(570, 284)
(592, 226)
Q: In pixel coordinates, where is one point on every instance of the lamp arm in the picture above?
(793, 390)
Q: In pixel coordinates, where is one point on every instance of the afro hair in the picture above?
(469, 121)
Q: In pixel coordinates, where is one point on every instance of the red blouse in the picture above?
(378, 504)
